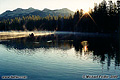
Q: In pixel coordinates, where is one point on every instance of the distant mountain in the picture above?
(19, 12)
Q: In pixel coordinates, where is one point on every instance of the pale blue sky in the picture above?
(50, 4)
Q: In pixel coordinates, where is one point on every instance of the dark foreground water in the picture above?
(61, 57)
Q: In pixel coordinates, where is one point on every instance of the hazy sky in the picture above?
(50, 4)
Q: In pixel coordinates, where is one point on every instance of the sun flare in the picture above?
(85, 10)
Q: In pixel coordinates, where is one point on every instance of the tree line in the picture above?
(104, 18)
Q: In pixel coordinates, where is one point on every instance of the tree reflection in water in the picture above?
(97, 48)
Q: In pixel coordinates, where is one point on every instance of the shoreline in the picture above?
(4, 35)
(19, 34)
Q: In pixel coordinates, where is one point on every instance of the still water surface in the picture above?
(60, 57)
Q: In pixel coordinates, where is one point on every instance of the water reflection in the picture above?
(100, 49)
(84, 44)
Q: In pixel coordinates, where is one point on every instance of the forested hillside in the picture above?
(104, 18)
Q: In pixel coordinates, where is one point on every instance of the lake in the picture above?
(61, 56)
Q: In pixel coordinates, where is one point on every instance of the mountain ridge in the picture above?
(19, 12)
